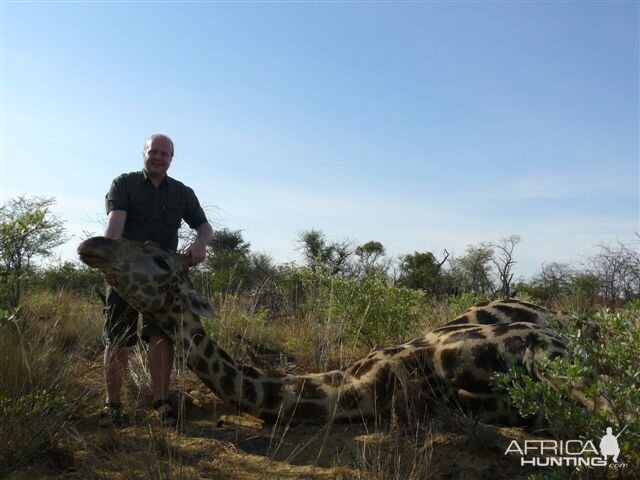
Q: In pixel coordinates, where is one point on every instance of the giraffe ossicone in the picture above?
(454, 363)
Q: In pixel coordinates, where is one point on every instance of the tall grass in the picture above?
(38, 397)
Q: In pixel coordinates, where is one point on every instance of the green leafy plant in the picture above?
(603, 362)
(368, 308)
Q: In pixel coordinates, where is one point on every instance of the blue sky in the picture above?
(422, 125)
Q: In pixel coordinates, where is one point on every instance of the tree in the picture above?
(370, 257)
(421, 270)
(27, 230)
(586, 286)
(330, 257)
(554, 281)
(227, 263)
(503, 262)
(617, 268)
(472, 272)
(232, 267)
(225, 240)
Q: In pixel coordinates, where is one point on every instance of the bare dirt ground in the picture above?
(214, 443)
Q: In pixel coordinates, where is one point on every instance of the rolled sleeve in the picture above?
(194, 214)
(117, 198)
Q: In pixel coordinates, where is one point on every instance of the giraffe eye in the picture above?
(161, 263)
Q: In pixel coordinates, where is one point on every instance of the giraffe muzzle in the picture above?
(95, 251)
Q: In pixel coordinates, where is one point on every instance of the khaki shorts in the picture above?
(121, 325)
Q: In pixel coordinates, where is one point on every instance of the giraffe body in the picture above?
(454, 362)
(507, 311)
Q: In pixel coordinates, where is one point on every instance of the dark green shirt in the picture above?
(154, 213)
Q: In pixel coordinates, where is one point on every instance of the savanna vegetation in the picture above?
(342, 301)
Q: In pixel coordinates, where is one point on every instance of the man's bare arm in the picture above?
(115, 224)
(115, 229)
(198, 249)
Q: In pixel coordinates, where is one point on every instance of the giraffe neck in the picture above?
(336, 395)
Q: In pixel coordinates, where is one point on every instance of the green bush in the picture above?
(603, 356)
(368, 309)
(68, 276)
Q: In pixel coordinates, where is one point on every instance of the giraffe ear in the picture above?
(198, 305)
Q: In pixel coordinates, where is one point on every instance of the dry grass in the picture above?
(38, 392)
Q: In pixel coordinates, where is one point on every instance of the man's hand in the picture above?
(198, 249)
(197, 252)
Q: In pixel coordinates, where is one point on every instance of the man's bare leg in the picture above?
(116, 361)
(160, 365)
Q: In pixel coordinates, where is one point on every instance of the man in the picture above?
(147, 205)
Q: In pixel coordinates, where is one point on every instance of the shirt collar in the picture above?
(145, 178)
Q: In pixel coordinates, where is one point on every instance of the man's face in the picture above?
(158, 153)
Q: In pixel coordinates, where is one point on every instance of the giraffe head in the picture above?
(152, 280)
